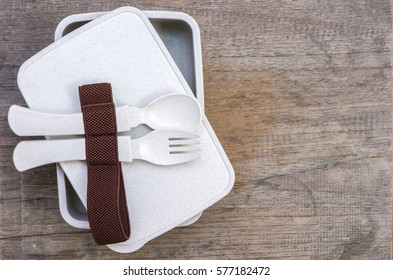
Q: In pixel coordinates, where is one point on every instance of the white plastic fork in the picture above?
(161, 147)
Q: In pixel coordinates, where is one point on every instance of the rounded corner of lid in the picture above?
(71, 19)
(62, 25)
(124, 249)
(128, 9)
(19, 75)
(231, 180)
(232, 176)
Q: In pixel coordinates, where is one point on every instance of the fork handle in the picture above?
(27, 122)
(29, 154)
(33, 153)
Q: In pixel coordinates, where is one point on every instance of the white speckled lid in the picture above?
(140, 69)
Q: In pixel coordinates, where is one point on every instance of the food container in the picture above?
(140, 69)
(180, 34)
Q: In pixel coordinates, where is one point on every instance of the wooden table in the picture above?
(299, 94)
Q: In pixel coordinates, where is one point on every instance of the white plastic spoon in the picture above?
(172, 111)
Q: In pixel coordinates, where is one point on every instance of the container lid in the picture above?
(140, 69)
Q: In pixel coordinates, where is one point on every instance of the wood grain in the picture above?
(299, 94)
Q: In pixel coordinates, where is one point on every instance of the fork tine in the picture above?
(184, 141)
(182, 144)
(185, 149)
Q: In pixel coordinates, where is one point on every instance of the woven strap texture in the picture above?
(106, 199)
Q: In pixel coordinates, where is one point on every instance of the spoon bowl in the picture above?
(174, 111)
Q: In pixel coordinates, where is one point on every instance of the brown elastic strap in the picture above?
(106, 199)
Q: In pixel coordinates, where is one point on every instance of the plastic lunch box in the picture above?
(180, 34)
(159, 198)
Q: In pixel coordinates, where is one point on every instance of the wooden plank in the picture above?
(299, 94)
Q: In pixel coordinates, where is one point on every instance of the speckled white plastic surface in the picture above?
(159, 197)
(171, 111)
(180, 34)
(160, 147)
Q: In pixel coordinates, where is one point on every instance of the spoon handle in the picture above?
(135, 117)
(27, 122)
